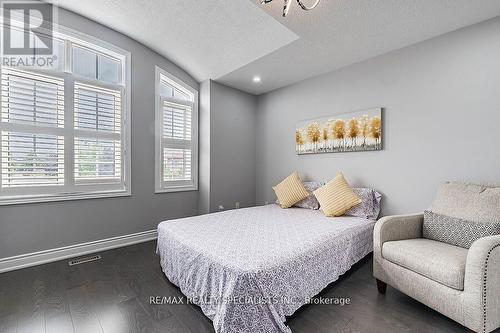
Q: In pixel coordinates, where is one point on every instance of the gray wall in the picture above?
(204, 148)
(442, 119)
(35, 227)
(232, 147)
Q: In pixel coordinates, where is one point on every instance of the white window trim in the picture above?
(91, 192)
(159, 188)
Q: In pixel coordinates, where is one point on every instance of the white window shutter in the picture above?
(176, 121)
(176, 143)
(32, 110)
(34, 99)
(98, 146)
(97, 109)
(64, 130)
(176, 152)
(32, 160)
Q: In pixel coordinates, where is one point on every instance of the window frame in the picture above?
(160, 185)
(71, 191)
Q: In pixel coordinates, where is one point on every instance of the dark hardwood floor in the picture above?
(112, 295)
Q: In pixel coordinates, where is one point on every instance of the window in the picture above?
(176, 134)
(65, 131)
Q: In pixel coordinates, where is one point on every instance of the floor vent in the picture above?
(84, 260)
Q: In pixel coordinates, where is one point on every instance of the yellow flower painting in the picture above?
(355, 131)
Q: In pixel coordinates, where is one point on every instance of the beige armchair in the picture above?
(463, 284)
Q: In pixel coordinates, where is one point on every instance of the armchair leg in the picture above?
(381, 286)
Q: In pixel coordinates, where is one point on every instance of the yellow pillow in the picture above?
(336, 197)
(290, 191)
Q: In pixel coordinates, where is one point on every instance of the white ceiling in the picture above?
(233, 40)
(342, 32)
(207, 38)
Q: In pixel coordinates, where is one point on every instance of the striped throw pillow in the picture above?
(336, 197)
(290, 191)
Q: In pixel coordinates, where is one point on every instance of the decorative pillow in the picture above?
(456, 231)
(336, 197)
(290, 191)
(370, 204)
(310, 202)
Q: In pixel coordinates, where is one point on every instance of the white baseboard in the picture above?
(46, 256)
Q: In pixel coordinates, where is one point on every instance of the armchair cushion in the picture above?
(471, 202)
(441, 262)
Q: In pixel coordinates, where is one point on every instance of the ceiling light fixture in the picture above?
(256, 79)
(287, 3)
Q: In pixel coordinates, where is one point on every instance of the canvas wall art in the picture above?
(354, 131)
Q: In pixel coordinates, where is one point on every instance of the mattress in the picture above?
(250, 268)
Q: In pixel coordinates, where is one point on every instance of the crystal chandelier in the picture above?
(286, 5)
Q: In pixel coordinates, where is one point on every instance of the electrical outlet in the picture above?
(237, 205)
(221, 208)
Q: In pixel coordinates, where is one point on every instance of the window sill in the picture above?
(176, 189)
(18, 200)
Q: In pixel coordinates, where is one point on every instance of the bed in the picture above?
(248, 269)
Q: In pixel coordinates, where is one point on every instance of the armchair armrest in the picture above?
(482, 284)
(397, 227)
(391, 228)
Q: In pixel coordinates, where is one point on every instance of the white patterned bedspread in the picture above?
(249, 268)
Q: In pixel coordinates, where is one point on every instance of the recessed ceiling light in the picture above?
(256, 79)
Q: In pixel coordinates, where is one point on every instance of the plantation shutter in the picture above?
(64, 129)
(32, 140)
(98, 139)
(176, 143)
